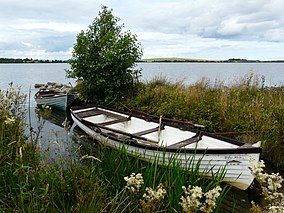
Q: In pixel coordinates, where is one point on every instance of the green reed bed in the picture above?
(245, 109)
(117, 166)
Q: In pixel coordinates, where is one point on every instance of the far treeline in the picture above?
(192, 60)
(30, 60)
(169, 60)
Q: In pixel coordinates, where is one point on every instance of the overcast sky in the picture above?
(205, 29)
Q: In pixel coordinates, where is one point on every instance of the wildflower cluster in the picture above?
(11, 105)
(270, 183)
(152, 198)
(191, 201)
(210, 201)
(11, 98)
(195, 199)
(134, 182)
(157, 194)
(10, 120)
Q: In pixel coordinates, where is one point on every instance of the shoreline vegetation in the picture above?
(246, 110)
(149, 60)
(92, 177)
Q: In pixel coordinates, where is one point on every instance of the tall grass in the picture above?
(32, 182)
(246, 109)
(117, 164)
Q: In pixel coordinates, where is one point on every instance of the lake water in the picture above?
(27, 75)
(227, 72)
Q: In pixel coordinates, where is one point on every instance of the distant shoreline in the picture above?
(150, 60)
(231, 60)
(28, 61)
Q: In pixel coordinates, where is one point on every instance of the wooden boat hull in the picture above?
(233, 161)
(60, 101)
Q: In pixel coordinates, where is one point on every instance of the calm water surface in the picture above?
(227, 72)
(27, 75)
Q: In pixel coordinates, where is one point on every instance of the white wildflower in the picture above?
(134, 182)
(10, 120)
(155, 195)
(192, 202)
(257, 167)
(276, 209)
(274, 181)
(211, 197)
(152, 198)
(270, 183)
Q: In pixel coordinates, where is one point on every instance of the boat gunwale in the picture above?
(242, 149)
(55, 95)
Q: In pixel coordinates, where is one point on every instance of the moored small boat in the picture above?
(55, 95)
(153, 138)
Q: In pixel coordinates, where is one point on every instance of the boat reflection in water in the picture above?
(56, 135)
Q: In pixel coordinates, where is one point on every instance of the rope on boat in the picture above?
(243, 132)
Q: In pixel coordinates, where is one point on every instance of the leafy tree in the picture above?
(103, 60)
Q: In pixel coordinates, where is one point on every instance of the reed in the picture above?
(117, 164)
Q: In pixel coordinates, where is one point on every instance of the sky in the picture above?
(198, 29)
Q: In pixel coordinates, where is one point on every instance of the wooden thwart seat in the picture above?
(94, 112)
(88, 113)
(185, 142)
(119, 120)
(148, 131)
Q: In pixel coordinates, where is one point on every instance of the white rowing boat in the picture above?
(151, 138)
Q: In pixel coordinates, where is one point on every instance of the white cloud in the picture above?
(54, 26)
(27, 44)
(217, 29)
(276, 35)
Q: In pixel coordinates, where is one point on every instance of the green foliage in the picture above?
(103, 60)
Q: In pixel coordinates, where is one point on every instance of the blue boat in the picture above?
(54, 99)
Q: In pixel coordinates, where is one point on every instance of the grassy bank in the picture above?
(245, 110)
(93, 179)
(97, 179)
